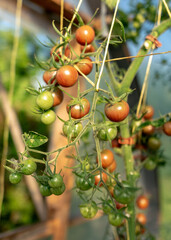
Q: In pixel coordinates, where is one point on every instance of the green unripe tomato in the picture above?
(85, 184)
(107, 206)
(72, 130)
(45, 190)
(29, 166)
(88, 210)
(15, 177)
(45, 100)
(48, 117)
(56, 181)
(108, 133)
(153, 143)
(150, 164)
(58, 190)
(115, 219)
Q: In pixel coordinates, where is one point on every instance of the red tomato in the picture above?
(55, 53)
(66, 76)
(79, 110)
(107, 158)
(141, 218)
(119, 205)
(112, 167)
(167, 128)
(85, 35)
(117, 112)
(148, 130)
(149, 112)
(85, 66)
(49, 76)
(57, 97)
(142, 202)
(97, 178)
(88, 49)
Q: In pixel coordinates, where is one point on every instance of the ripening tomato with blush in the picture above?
(67, 76)
(107, 158)
(85, 35)
(167, 128)
(148, 130)
(117, 112)
(111, 168)
(142, 202)
(57, 96)
(87, 49)
(49, 76)
(98, 178)
(85, 66)
(79, 110)
(149, 112)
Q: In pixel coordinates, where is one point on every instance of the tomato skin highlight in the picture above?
(57, 97)
(107, 158)
(67, 76)
(149, 112)
(117, 112)
(49, 76)
(167, 128)
(29, 166)
(15, 177)
(48, 117)
(85, 35)
(142, 202)
(45, 100)
(79, 110)
(85, 66)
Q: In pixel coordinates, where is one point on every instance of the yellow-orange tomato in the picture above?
(141, 218)
(142, 202)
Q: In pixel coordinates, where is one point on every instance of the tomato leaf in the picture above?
(34, 139)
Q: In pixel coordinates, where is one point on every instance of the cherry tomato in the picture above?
(107, 158)
(67, 76)
(107, 206)
(141, 218)
(149, 112)
(142, 202)
(98, 178)
(58, 190)
(88, 210)
(148, 130)
(57, 97)
(79, 110)
(85, 184)
(117, 112)
(167, 128)
(29, 166)
(85, 35)
(88, 49)
(72, 130)
(50, 76)
(115, 219)
(112, 167)
(119, 205)
(56, 181)
(45, 100)
(15, 177)
(107, 133)
(115, 143)
(45, 190)
(48, 117)
(153, 143)
(150, 164)
(85, 66)
(55, 53)
(123, 194)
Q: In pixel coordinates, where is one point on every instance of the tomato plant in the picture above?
(28, 167)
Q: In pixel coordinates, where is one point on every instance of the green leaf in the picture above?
(110, 3)
(34, 139)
